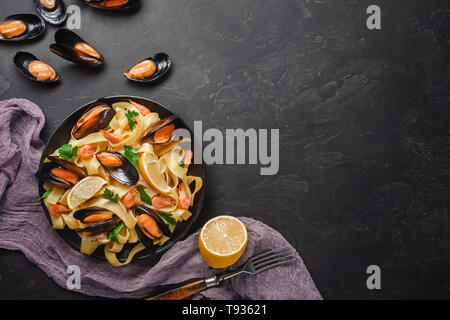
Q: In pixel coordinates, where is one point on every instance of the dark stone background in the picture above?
(363, 118)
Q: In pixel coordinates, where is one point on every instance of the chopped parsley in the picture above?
(108, 194)
(144, 196)
(132, 155)
(67, 152)
(168, 217)
(130, 116)
(46, 194)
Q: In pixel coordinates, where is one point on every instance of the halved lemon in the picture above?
(84, 190)
(149, 168)
(222, 241)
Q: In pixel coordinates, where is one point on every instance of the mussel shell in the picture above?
(125, 174)
(83, 213)
(45, 176)
(148, 134)
(163, 65)
(83, 128)
(55, 16)
(101, 226)
(146, 241)
(141, 209)
(81, 172)
(64, 47)
(130, 4)
(22, 59)
(35, 26)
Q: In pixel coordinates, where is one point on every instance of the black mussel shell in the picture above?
(101, 226)
(55, 16)
(148, 134)
(146, 241)
(35, 26)
(81, 172)
(126, 173)
(113, 4)
(65, 48)
(141, 209)
(45, 176)
(22, 59)
(95, 118)
(163, 65)
(84, 213)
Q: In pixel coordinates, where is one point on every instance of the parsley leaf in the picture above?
(181, 164)
(130, 116)
(132, 155)
(108, 194)
(168, 217)
(144, 196)
(67, 153)
(113, 234)
(46, 194)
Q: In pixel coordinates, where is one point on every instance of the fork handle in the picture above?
(187, 290)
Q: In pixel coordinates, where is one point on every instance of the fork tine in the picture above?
(271, 257)
(266, 253)
(261, 269)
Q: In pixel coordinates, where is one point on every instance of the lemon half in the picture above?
(84, 190)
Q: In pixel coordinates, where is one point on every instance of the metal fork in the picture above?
(254, 265)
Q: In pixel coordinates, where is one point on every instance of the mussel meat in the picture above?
(113, 4)
(33, 68)
(21, 27)
(95, 118)
(61, 172)
(101, 226)
(160, 132)
(72, 47)
(53, 11)
(150, 69)
(118, 166)
(93, 215)
(150, 226)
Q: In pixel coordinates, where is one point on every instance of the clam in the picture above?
(33, 68)
(95, 118)
(61, 172)
(113, 4)
(150, 69)
(21, 27)
(160, 132)
(72, 47)
(53, 11)
(150, 226)
(118, 166)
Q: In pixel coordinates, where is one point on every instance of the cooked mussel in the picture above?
(61, 172)
(150, 69)
(53, 11)
(33, 68)
(21, 27)
(95, 118)
(93, 215)
(149, 226)
(118, 166)
(160, 132)
(72, 47)
(80, 172)
(113, 4)
(101, 226)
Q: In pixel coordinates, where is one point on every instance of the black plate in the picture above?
(62, 135)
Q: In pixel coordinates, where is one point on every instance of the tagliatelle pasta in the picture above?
(130, 175)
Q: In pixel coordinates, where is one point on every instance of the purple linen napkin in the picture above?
(24, 227)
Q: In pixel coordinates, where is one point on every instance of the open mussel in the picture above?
(118, 166)
(21, 27)
(160, 132)
(33, 68)
(113, 4)
(61, 172)
(150, 69)
(53, 11)
(93, 215)
(95, 118)
(150, 226)
(101, 225)
(72, 47)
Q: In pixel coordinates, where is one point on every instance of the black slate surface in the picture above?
(363, 117)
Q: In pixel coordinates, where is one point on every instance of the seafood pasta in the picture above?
(122, 178)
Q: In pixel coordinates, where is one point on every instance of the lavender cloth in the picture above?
(24, 227)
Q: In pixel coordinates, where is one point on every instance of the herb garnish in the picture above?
(181, 164)
(108, 194)
(144, 196)
(168, 217)
(132, 155)
(130, 116)
(67, 153)
(46, 194)
(113, 234)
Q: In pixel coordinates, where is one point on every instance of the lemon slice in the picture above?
(222, 241)
(151, 172)
(84, 190)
